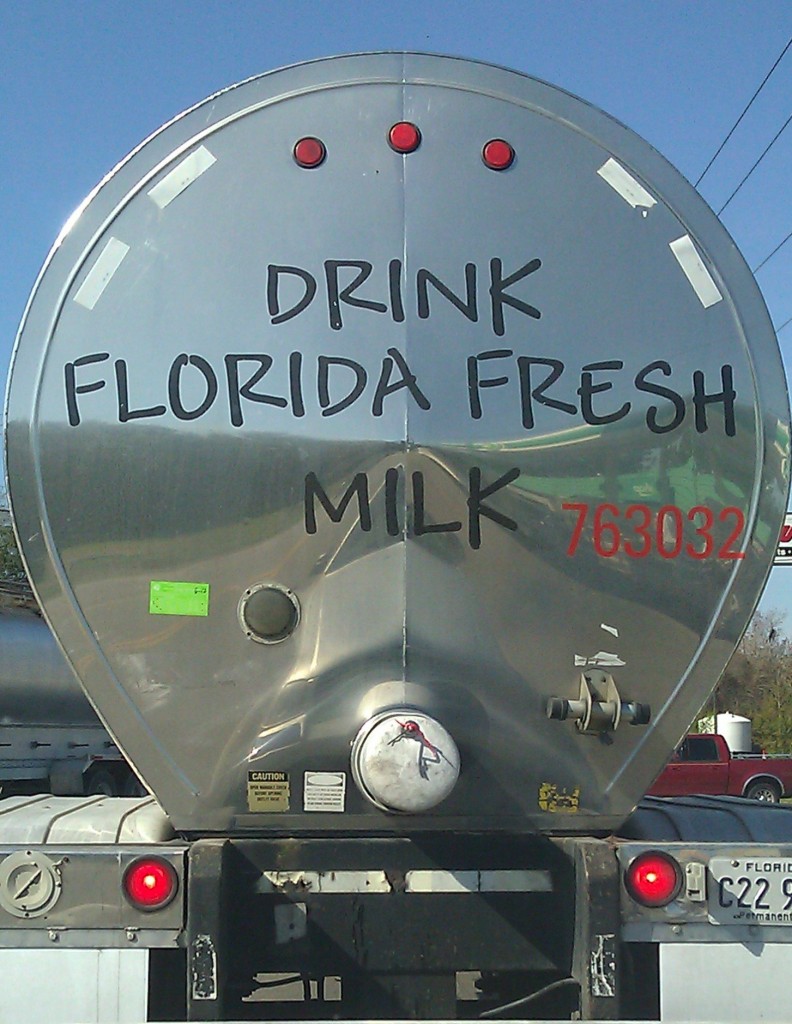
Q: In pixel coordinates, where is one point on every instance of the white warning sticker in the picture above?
(324, 791)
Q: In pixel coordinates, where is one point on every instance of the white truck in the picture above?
(398, 447)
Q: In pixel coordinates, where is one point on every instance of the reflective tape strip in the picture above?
(693, 266)
(294, 882)
(624, 183)
(290, 882)
(479, 881)
(184, 174)
(101, 273)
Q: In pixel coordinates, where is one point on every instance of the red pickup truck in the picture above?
(704, 764)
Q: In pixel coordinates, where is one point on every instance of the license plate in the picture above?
(750, 890)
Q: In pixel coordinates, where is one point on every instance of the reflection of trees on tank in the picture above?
(670, 475)
(185, 504)
(679, 473)
(221, 488)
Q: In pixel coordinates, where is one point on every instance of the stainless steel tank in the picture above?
(397, 442)
(37, 685)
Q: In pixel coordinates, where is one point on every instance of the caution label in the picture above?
(324, 791)
(268, 792)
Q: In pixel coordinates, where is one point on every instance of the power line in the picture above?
(761, 158)
(772, 254)
(742, 115)
(786, 323)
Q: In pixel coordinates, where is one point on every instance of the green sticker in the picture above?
(168, 598)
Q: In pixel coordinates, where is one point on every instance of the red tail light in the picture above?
(498, 155)
(404, 137)
(653, 879)
(150, 883)
(309, 152)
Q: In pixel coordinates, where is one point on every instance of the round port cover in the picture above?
(30, 884)
(405, 761)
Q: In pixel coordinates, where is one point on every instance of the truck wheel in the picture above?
(101, 782)
(764, 790)
(133, 786)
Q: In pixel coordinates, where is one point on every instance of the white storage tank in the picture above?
(736, 730)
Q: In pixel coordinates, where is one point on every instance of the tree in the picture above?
(757, 683)
(11, 568)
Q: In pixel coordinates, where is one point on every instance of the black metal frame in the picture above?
(400, 954)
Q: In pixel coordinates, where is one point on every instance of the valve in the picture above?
(599, 707)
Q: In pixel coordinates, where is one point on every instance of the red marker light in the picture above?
(497, 155)
(404, 137)
(150, 883)
(653, 879)
(309, 152)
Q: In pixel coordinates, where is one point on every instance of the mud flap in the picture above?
(207, 923)
(595, 957)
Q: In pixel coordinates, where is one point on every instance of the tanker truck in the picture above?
(398, 447)
(51, 739)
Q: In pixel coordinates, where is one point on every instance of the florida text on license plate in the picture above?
(750, 890)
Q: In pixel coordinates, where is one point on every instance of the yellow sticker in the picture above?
(268, 792)
(559, 801)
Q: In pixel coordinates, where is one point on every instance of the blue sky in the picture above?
(83, 82)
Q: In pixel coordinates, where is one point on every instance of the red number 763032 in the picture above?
(637, 530)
